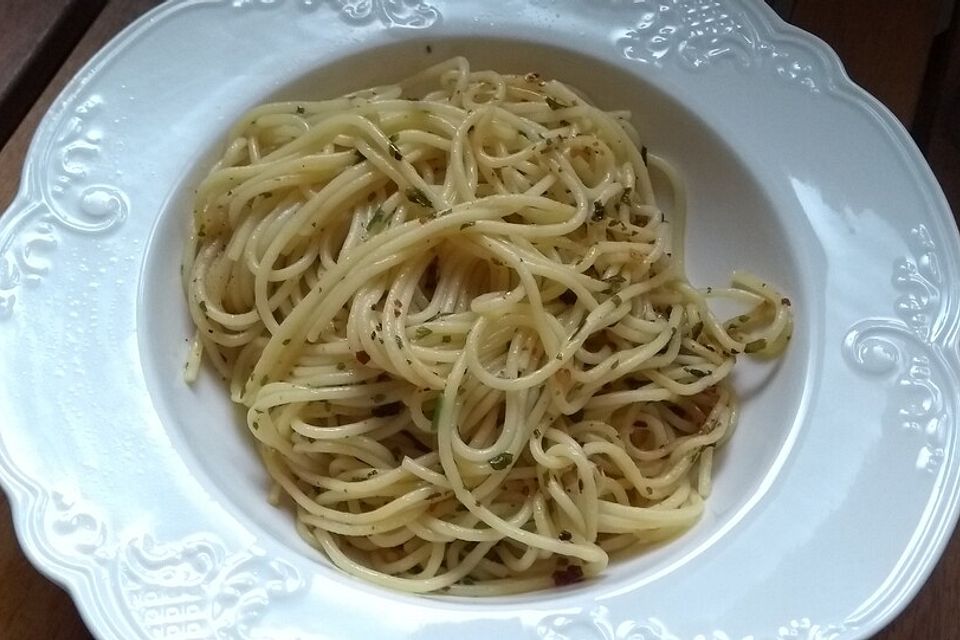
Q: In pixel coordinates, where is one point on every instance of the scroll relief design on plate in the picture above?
(700, 33)
(72, 178)
(595, 624)
(406, 14)
(186, 589)
(906, 347)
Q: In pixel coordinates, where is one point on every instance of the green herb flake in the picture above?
(445, 339)
(555, 104)
(286, 342)
(300, 110)
(501, 461)
(698, 373)
(466, 225)
(418, 197)
(435, 420)
(423, 332)
(377, 221)
(565, 536)
(755, 346)
(203, 306)
(398, 341)
(341, 366)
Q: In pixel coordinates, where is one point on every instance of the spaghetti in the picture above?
(461, 329)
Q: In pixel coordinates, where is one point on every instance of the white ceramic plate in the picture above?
(143, 497)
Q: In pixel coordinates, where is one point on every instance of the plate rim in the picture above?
(26, 496)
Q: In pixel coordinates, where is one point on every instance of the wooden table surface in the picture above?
(43, 44)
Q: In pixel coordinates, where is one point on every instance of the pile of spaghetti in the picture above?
(461, 328)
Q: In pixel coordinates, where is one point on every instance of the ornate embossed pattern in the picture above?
(905, 347)
(23, 247)
(184, 590)
(699, 33)
(78, 191)
(596, 625)
(408, 14)
(920, 280)
(75, 198)
(804, 629)
(193, 589)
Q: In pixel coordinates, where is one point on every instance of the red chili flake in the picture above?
(363, 357)
(567, 576)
